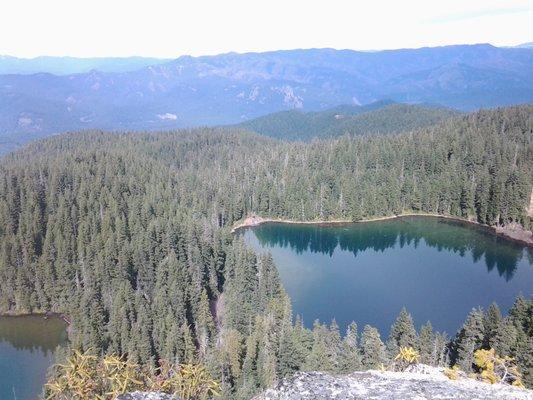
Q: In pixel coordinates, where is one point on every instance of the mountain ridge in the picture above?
(64, 65)
(231, 88)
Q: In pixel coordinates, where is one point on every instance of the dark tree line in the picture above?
(128, 234)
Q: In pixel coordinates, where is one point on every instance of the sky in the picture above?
(164, 28)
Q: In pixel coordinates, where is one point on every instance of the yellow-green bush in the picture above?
(453, 372)
(407, 356)
(495, 369)
(86, 376)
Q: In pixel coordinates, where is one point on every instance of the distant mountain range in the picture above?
(73, 65)
(231, 88)
(382, 117)
(527, 45)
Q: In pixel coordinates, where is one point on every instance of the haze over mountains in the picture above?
(73, 65)
(231, 88)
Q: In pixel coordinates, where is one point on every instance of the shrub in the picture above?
(496, 369)
(86, 376)
(407, 356)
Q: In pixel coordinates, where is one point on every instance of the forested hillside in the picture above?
(382, 117)
(128, 234)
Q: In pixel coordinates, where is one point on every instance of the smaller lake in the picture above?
(27, 345)
(438, 269)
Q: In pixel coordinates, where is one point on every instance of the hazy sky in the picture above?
(163, 28)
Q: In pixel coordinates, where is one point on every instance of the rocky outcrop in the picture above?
(417, 383)
(421, 383)
(146, 396)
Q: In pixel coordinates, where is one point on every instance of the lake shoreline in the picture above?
(43, 314)
(515, 234)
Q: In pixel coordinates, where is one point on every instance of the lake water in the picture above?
(27, 345)
(366, 272)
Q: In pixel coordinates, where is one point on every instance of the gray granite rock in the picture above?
(420, 382)
(146, 396)
(427, 383)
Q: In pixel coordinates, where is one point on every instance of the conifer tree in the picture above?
(491, 322)
(441, 350)
(334, 347)
(289, 359)
(303, 342)
(426, 345)
(524, 357)
(319, 357)
(230, 355)
(205, 327)
(372, 348)
(250, 381)
(402, 333)
(188, 348)
(521, 313)
(350, 356)
(504, 338)
(469, 339)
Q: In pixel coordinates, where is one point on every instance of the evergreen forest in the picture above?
(129, 236)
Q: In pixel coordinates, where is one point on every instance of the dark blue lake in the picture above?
(366, 272)
(27, 346)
